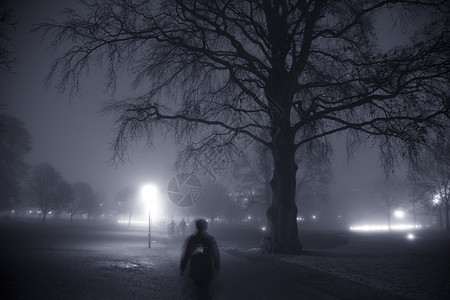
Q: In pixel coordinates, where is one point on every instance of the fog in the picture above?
(71, 135)
(118, 229)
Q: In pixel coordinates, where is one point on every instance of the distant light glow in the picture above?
(436, 199)
(314, 217)
(263, 228)
(397, 227)
(399, 213)
(410, 236)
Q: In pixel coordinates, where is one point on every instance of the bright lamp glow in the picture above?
(399, 213)
(149, 194)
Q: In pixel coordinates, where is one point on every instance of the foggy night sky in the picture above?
(75, 139)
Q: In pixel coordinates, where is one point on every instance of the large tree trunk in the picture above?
(447, 221)
(267, 169)
(282, 214)
(441, 221)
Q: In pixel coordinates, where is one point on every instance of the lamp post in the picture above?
(149, 228)
(148, 194)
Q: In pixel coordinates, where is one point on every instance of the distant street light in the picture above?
(148, 193)
(399, 213)
(436, 200)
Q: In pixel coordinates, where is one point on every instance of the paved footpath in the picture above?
(243, 279)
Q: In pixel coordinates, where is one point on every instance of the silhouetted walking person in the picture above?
(171, 228)
(204, 256)
(182, 226)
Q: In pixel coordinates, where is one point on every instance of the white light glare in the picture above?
(149, 196)
(436, 199)
(148, 192)
(384, 227)
(399, 213)
(410, 236)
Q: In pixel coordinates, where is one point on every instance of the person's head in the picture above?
(201, 225)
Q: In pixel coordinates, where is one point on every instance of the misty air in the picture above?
(242, 149)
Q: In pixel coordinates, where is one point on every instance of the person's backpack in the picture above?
(202, 263)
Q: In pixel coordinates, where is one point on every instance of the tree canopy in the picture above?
(7, 51)
(287, 74)
(48, 189)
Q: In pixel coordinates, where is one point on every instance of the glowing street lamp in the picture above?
(148, 193)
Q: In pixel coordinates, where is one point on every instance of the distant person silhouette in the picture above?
(204, 257)
(182, 227)
(171, 228)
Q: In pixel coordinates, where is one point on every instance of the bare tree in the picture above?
(125, 202)
(90, 205)
(392, 195)
(7, 23)
(418, 197)
(433, 169)
(221, 73)
(253, 178)
(215, 201)
(48, 189)
(314, 175)
(83, 195)
(15, 143)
